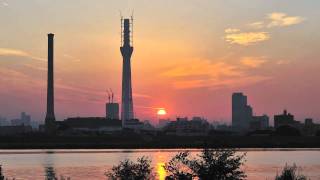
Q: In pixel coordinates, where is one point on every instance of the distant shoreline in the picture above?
(157, 142)
(84, 151)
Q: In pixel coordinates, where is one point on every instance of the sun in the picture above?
(162, 112)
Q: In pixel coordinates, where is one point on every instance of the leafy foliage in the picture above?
(222, 164)
(129, 170)
(1, 174)
(290, 173)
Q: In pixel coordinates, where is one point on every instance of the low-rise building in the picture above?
(286, 119)
(259, 122)
(184, 127)
(98, 124)
(15, 130)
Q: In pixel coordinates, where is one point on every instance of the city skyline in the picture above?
(263, 55)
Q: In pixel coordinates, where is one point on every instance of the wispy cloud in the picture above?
(257, 25)
(253, 62)
(205, 74)
(18, 53)
(4, 3)
(247, 38)
(278, 19)
(282, 62)
(231, 30)
(71, 57)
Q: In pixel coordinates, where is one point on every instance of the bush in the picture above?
(129, 170)
(222, 164)
(1, 174)
(290, 173)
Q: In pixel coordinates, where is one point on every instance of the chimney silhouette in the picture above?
(50, 117)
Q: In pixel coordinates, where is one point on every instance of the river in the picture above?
(84, 164)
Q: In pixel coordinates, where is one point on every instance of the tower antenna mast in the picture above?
(121, 30)
(132, 28)
(108, 96)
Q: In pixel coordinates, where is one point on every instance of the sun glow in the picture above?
(162, 112)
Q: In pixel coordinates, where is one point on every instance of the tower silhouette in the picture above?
(50, 117)
(126, 51)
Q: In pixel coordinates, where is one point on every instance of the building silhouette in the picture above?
(112, 108)
(284, 119)
(25, 120)
(241, 112)
(126, 51)
(259, 122)
(50, 117)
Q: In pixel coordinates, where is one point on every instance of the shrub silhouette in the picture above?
(222, 164)
(290, 173)
(128, 170)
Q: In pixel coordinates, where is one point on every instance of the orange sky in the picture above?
(189, 56)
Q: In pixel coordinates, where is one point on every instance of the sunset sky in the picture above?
(189, 56)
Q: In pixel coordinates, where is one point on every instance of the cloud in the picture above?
(202, 68)
(253, 62)
(247, 38)
(257, 25)
(73, 58)
(282, 62)
(18, 53)
(231, 30)
(205, 74)
(3, 3)
(281, 20)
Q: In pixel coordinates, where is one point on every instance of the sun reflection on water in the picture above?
(160, 170)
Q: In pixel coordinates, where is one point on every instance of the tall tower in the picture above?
(50, 118)
(126, 51)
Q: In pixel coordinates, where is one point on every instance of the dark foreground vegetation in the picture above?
(210, 164)
(132, 140)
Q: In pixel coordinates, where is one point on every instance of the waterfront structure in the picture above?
(241, 112)
(126, 51)
(185, 127)
(163, 122)
(285, 119)
(112, 110)
(25, 120)
(50, 117)
(15, 130)
(259, 122)
(4, 121)
(91, 124)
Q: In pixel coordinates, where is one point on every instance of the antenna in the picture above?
(132, 28)
(121, 22)
(112, 95)
(108, 96)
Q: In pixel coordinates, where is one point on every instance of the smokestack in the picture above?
(50, 117)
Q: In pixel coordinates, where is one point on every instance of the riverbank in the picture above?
(152, 142)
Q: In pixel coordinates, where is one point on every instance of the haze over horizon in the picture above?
(188, 60)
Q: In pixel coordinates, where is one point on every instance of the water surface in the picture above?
(86, 164)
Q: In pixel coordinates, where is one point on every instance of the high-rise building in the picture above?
(126, 51)
(241, 112)
(50, 117)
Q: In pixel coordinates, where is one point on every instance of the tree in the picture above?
(222, 164)
(1, 174)
(290, 173)
(129, 170)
